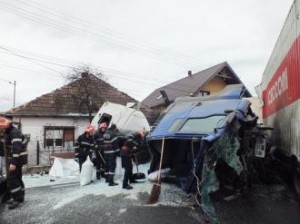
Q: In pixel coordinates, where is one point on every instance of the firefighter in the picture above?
(111, 150)
(84, 146)
(142, 153)
(17, 156)
(138, 138)
(99, 141)
(126, 153)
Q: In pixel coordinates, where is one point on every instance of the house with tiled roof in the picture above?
(54, 120)
(208, 81)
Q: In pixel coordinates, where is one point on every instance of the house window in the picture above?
(49, 142)
(59, 138)
(59, 142)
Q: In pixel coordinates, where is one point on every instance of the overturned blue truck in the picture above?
(210, 142)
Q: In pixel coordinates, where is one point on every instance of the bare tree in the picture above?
(86, 94)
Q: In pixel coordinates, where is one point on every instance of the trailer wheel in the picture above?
(296, 181)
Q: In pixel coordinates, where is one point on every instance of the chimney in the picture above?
(84, 75)
(190, 73)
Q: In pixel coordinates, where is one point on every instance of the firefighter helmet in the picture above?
(5, 123)
(89, 128)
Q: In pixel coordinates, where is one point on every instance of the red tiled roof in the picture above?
(61, 102)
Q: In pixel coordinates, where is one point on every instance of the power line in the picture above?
(36, 73)
(112, 33)
(4, 80)
(55, 24)
(49, 60)
(29, 59)
(42, 56)
(83, 33)
(107, 71)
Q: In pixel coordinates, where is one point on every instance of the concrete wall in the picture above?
(35, 128)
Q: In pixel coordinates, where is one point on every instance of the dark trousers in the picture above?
(15, 184)
(110, 159)
(127, 165)
(81, 160)
(100, 164)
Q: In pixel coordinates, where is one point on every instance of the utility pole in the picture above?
(15, 87)
(14, 83)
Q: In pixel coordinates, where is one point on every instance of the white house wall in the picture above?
(35, 128)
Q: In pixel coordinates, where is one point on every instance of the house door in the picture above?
(68, 139)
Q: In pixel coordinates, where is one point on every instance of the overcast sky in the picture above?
(138, 45)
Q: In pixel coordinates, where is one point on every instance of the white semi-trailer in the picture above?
(280, 92)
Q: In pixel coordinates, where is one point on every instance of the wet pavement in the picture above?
(266, 204)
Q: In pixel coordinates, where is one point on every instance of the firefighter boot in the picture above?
(111, 180)
(133, 181)
(11, 200)
(98, 175)
(13, 204)
(128, 187)
(102, 173)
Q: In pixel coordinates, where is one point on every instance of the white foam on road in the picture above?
(170, 194)
(97, 187)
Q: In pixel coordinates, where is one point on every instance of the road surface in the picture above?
(70, 203)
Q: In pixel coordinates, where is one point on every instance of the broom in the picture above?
(155, 192)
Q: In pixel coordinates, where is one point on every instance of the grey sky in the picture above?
(138, 45)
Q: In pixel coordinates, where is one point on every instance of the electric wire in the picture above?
(111, 33)
(30, 59)
(92, 35)
(35, 73)
(4, 80)
(69, 67)
(111, 72)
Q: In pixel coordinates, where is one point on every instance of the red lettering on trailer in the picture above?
(278, 88)
(284, 87)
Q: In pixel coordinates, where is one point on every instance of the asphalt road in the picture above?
(266, 204)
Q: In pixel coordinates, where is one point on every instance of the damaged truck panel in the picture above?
(197, 116)
(207, 140)
(190, 121)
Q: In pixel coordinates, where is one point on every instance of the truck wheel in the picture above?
(296, 181)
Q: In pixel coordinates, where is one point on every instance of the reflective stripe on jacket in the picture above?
(17, 146)
(84, 145)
